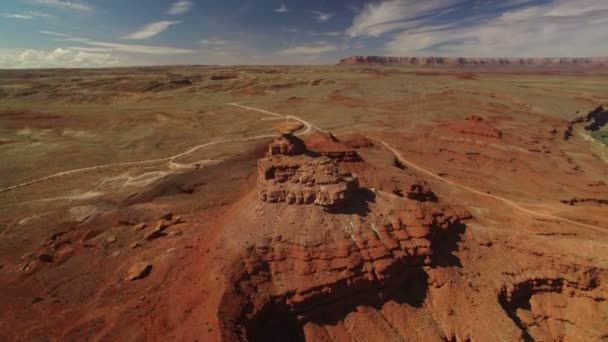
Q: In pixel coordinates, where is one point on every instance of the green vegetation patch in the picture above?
(602, 136)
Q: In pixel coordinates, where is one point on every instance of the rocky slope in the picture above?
(467, 62)
(303, 263)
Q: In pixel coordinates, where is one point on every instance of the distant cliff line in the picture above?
(461, 61)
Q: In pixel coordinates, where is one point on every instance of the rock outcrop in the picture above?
(352, 262)
(329, 146)
(476, 62)
(370, 251)
(290, 175)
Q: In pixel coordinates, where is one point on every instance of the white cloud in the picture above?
(79, 6)
(323, 17)
(308, 50)
(151, 30)
(558, 29)
(128, 48)
(282, 9)
(25, 15)
(390, 15)
(180, 7)
(213, 42)
(58, 58)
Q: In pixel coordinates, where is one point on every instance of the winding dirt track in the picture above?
(429, 173)
(169, 159)
(309, 127)
(481, 193)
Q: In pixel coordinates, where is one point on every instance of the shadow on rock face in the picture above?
(446, 244)
(358, 204)
(277, 322)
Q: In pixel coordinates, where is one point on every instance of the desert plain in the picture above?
(408, 203)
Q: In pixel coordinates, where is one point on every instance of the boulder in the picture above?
(139, 270)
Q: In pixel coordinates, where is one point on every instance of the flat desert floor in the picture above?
(129, 206)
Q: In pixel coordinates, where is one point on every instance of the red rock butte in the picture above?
(324, 238)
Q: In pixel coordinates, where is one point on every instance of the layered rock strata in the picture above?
(289, 175)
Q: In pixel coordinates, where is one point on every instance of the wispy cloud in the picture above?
(151, 30)
(25, 15)
(561, 28)
(313, 32)
(390, 15)
(52, 33)
(322, 17)
(79, 6)
(180, 7)
(143, 49)
(128, 48)
(308, 50)
(282, 9)
(213, 42)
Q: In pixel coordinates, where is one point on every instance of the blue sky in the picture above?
(92, 33)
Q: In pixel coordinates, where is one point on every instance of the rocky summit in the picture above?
(289, 174)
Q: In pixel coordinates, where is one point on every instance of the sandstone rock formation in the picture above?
(475, 62)
(288, 175)
(329, 146)
(287, 145)
(288, 127)
(327, 261)
(139, 270)
(356, 141)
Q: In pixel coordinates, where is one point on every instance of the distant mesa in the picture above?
(476, 62)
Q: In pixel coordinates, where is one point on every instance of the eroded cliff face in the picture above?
(356, 246)
(460, 61)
